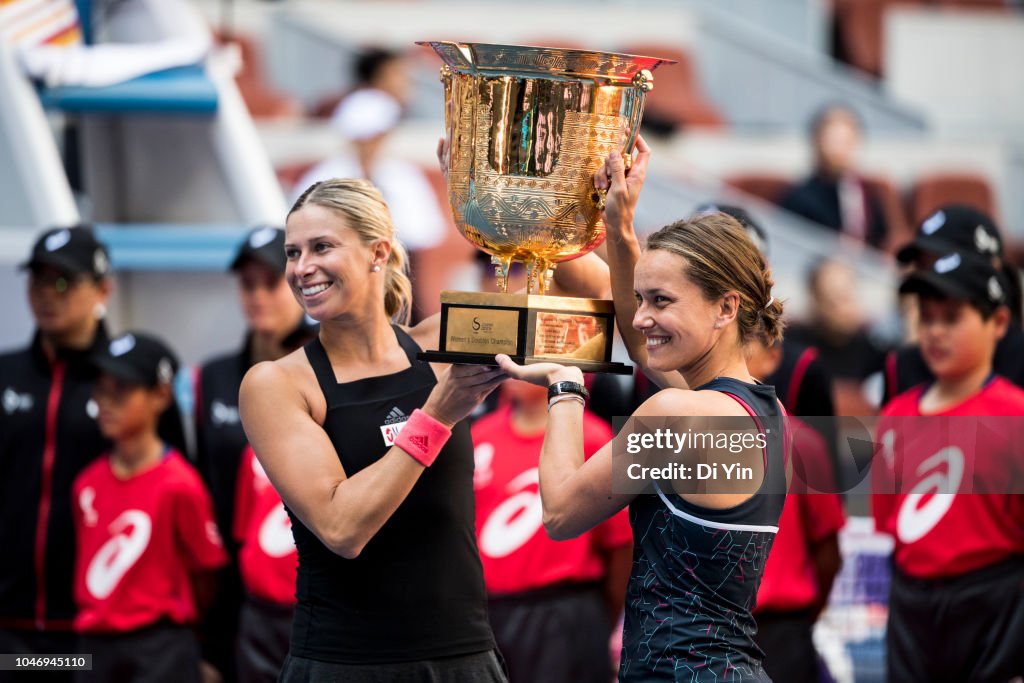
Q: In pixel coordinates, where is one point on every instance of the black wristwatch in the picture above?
(560, 388)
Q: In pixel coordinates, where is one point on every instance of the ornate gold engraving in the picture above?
(527, 129)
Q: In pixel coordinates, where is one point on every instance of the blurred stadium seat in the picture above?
(859, 31)
(262, 99)
(289, 174)
(998, 4)
(932, 191)
(677, 101)
(899, 229)
(770, 187)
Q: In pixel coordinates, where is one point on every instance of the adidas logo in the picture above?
(393, 424)
(420, 441)
(396, 415)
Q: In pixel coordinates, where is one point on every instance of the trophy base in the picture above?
(530, 328)
(488, 359)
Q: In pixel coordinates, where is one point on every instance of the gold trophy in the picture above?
(527, 128)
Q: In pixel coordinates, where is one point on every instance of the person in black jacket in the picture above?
(48, 434)
(835, 195)
(276, 325)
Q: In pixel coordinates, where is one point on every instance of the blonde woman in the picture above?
(368, 448)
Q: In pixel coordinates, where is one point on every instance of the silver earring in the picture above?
(99, 311)
(376, 268)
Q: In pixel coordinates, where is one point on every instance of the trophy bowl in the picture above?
(527, 128)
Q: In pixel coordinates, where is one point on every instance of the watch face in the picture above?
(565, 387)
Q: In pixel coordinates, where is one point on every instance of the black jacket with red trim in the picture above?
(802, 382)
(220, 438)
(48, 434)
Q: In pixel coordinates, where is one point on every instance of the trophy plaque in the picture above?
(527, 128)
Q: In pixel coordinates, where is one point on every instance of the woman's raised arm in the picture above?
(623, 251)
(344, 512)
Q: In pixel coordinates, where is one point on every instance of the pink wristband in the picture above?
(422, 437)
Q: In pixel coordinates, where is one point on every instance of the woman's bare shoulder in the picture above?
(680, 402)
(289, 378)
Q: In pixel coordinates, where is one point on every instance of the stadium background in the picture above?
(174, 168)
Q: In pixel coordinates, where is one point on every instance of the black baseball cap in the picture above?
(954, 227)
(962, 275)
(137, 358)
(73, 251)
(754, 229)
(264, 244)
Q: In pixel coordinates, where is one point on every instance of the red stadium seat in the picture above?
(262, 99)
(677, 100)
(859, 31)
(932, 191)
(290, 174)
(973, 4)
(768, 186)
(899, 229)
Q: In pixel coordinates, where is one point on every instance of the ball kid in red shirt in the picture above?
(950, 450)
(268, 562)
(147, 540)
(552, 604)
(805, 558)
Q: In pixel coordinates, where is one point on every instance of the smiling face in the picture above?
(330, 269)
(955, 339)
(672, 312)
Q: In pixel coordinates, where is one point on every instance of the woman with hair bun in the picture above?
(701, 290)
(370, 452)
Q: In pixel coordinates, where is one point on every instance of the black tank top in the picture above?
(416, 591)
(696, 570)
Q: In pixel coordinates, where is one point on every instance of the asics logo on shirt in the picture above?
(212, 533)
(275, 537)
(130, 534)
(932, 496)
(85, 501)
(222, 414)
(260, 480)
(483, 473)
(516, 519)
(14, 402)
